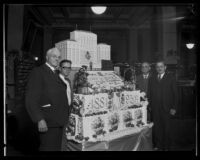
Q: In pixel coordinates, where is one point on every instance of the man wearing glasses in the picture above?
(65, 69)
(46, 102)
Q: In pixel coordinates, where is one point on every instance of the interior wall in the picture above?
(15, 27)
(144, 45)
(37, 47)
(132, 45)
(14, 33)
(169, 35)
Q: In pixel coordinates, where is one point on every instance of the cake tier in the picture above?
(102, 115)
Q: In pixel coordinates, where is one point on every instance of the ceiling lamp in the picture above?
(36, 58)
(98, 9)
(190, 45)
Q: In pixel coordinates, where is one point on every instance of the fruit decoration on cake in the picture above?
(128, 119)
(98, 127)
(114, 122)
(81, 84)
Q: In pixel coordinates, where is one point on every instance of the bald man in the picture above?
(46, 102)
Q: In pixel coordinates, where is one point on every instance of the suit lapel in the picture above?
(53, 75)
(164, 78)
(162, 81)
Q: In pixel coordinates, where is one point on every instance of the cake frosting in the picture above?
(105, 114)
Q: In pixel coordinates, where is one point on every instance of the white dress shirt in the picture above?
(52, 68)
(161, 75)
(145, 76)
(68, 91)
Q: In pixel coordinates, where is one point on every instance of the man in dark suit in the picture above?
(143, 79)
(163, 99)
(142, 82)
(47, 103)
(65, 69)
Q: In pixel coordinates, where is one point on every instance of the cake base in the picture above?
(135, 141)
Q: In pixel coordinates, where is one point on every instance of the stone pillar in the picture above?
(169, 35)
(156, 35)
(144, 44)
(132, 46)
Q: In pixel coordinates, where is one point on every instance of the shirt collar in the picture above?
(61, 76)
(52, 68)
(162, 75)
(145, 75)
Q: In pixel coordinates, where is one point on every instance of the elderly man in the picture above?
(47, 103)
(163, 100)
(142, 82)
(143, 79)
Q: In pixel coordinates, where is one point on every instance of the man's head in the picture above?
(53, 57)
(145, 68)
(65, 67)
(160, 67)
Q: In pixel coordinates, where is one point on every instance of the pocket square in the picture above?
(47, 105)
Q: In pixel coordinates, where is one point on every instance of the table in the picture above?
(141, 141)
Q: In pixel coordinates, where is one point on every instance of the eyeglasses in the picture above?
(66, 67)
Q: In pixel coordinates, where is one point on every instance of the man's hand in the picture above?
(42, 126)
(172, 112)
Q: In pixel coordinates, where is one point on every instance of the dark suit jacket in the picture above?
(141, 83)
(164, 90)
(45, 87)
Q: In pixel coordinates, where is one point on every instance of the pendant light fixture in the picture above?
(190, 45)
(98, 9)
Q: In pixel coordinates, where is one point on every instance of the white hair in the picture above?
(51, 50)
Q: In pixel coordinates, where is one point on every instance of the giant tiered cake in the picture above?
(109, 109)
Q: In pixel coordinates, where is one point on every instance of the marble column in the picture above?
(169, 34)
(132, 46)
